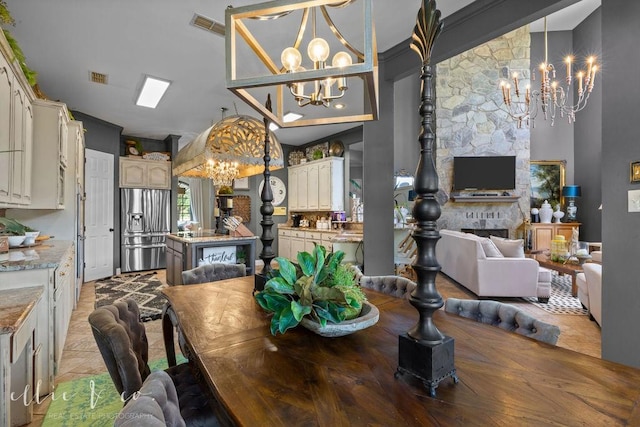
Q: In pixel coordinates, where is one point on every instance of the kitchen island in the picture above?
(188, 249)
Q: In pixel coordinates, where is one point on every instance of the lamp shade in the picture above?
(234, 139)
(571, 191)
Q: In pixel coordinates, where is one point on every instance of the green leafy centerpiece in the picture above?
(320, 292)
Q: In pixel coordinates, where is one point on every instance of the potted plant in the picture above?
(16, 231)
(319, 290)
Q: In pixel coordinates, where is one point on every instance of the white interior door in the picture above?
(98, 215)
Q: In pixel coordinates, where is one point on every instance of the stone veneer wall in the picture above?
(471, 122)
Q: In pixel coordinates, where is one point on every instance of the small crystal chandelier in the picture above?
(221, 172)
(552, 98)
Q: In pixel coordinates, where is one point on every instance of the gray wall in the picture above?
(105, 137)
(587, 38)
(620, 229)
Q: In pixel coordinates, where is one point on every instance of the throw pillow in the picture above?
(490, 248)
(509, 248)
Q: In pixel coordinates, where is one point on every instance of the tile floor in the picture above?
(81, 356)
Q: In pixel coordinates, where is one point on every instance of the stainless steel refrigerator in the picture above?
(145, 223)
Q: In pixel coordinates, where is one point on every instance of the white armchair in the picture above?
(590, 289)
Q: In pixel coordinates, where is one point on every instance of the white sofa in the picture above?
(462, 258)
(590, 289)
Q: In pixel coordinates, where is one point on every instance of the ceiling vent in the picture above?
(208, 24)
(98, 77)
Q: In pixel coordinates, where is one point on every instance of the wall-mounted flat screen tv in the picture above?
(484, 173)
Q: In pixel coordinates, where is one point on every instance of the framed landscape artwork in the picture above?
(547, 180)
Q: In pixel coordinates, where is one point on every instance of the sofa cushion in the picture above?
(509, 248)
(490, 248)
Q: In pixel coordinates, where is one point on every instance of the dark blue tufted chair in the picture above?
(122, 341)
(504, 316)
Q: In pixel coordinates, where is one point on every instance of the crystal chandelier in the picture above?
(221, 172)
(264, 43)
(552, 98)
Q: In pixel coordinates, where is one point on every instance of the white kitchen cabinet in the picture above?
(284, 244)
(317, 185)
(16, 132)
(140, 173)
(331, 184)
(49, 177)
(53, 312)
(293, 189)
(312, 187)
(292, 241)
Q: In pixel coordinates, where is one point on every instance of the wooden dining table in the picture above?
(304, 379)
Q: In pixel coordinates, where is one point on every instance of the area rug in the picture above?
(144, 288)
(90, 401)
(561, 301)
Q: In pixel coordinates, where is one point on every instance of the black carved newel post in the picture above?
(424, 351)
(266, 209)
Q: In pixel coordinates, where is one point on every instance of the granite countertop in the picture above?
(348, 237)
(47, 254)
(15, 306)
(289, 227)
(205, 236)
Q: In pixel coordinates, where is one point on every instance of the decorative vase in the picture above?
(546, 212)
(368, 317)
(558, 214)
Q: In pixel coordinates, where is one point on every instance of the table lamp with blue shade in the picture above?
(571, 192)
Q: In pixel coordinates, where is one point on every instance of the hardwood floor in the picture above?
(81, 356)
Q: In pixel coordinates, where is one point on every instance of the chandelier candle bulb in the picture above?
(515, 83)
(568, 61)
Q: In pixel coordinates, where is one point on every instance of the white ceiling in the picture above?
(65, 40)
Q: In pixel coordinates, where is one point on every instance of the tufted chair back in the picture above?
(155, 405)
(122, 341)
(397, 286)
(504, 316)
(213, 272)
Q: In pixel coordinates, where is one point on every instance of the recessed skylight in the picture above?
(288, 117)
(152, 91)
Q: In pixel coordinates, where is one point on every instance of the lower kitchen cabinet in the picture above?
(291, 241)
(53, 269)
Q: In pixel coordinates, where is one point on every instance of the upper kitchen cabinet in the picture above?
(139, 173)
(51, 144)
(16, 132)
(317, 185)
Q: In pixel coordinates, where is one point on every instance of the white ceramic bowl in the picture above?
(16, 241)
(30, 237)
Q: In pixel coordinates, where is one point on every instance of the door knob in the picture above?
(111, 230)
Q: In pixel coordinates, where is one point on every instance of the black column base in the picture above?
(259, 282)
(430, 364)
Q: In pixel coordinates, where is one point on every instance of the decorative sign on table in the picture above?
(218, 254)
